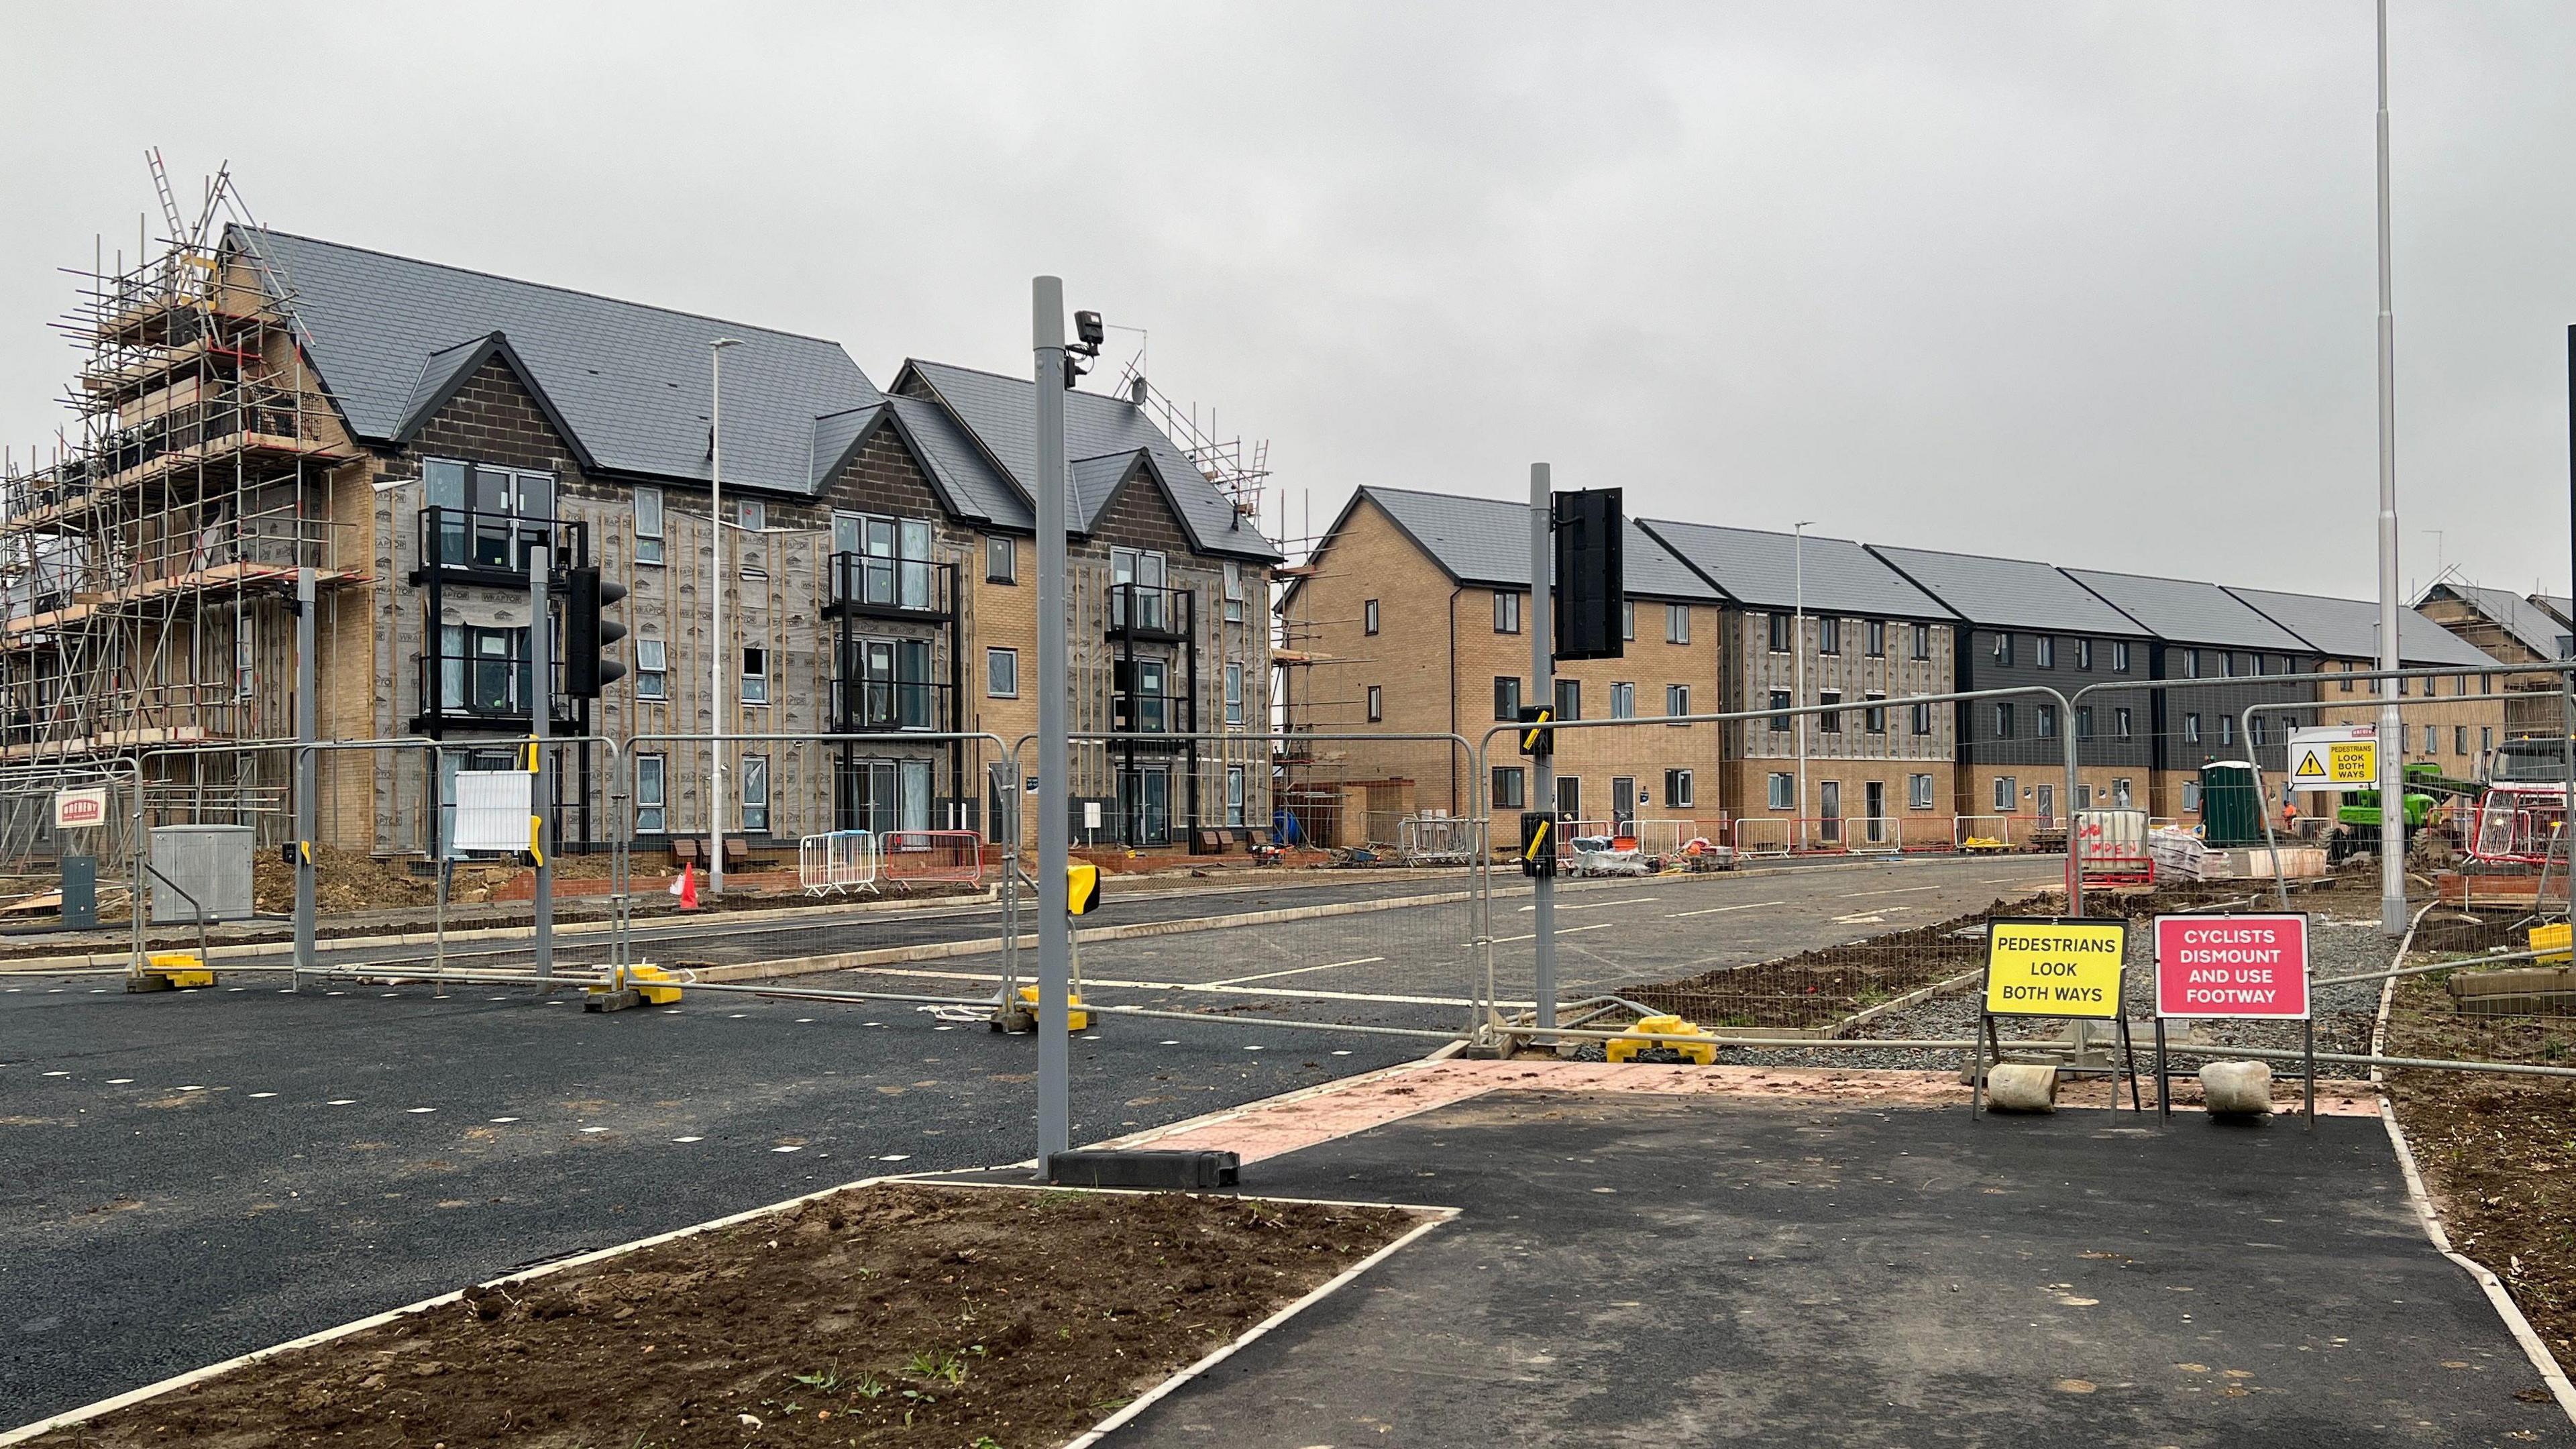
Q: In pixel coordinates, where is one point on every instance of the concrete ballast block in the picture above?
(2021, 1087)
(2237, 1089)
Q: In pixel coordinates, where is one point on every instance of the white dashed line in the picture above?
(1171, 1043)
(1252, 1048)
(192, 1089)
(255, 1096)
(804, 1020)
(943, 1028)
(236, 988)
(896, 1157)
(1604, 905)
(594, 1130)
(872, 1023)
(737, 1016)
(341, 1102)
(120, 1081)
(787, 1149)
(1568, 931)
(58, 1074)
(1898, 891)
(1302, 970)
(499, 1120)
(688, 1139)
(1341, 1053)
(1719, 910)
(416, 1111)
(1091, 1036)
(388, 996)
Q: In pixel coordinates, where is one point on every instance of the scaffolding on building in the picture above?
(147, 568)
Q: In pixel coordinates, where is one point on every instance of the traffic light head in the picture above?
(1537, 743)
(590, 641)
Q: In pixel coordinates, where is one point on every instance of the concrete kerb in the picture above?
(2497, 1294)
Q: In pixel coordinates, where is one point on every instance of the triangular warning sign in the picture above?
(2311, 766)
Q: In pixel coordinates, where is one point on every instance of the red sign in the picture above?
(2232, 966)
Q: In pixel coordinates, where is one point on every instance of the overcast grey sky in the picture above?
(2088, 283)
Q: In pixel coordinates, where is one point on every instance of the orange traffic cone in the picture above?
(686, 887)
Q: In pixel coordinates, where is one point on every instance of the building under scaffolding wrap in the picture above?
(149, 567)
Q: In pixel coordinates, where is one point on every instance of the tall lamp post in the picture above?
(716, 650)
(1798, 666)
(2392, 821)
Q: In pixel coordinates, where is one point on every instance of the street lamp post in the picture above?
(2392, 819)
(716, 591)
(1798, 666)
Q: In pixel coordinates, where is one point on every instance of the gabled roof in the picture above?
(1102, 435)
(1487, 541)
(2349, 629)
(1762, 570)
(2008, 593)
(444, 374)
(2180, 611)
(628, 381)
(2527, 622)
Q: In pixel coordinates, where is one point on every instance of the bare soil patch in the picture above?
(1820, 987)
(900, 1314)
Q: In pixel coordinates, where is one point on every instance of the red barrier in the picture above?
(934, 856)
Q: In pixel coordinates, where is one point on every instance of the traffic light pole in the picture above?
(1542, 764)
(1055, 927)
(307, 732)
(541, 704)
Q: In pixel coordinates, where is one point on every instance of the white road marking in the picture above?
(415, 1111)
(1302, 970)
(388, 996)
(1715, 910)
(896, 1157)
(341, 1102)
(236, 988)
(1341, 1053)
(594, 1130)
(688, 1139)
(1252, 1048)
(255, 1096)
(58, 1074)
(505, 1119)
(787, 1149)
(192, 1089)
(804, 1020)
(737, 1016)
(1604, 905)
(120, 1081)
(1568, 931)
(1898, 891)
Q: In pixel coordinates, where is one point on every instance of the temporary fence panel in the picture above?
(1984, 833)
(843, 860)
(1761, 836)
(919, 857)
(1873, 834)
(1441, 839)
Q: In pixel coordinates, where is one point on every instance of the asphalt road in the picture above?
(187, 1176)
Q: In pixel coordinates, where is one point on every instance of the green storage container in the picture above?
(2231, 804)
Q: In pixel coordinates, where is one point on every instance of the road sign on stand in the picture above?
(2063, 967)
(2334, 757)
(2222, 966)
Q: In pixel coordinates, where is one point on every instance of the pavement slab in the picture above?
(1660, 1267)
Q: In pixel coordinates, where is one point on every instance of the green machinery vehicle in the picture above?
(2426, 786)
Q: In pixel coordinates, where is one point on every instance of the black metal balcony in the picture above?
(466, 545)
(1142, 611)
(876, 706)
(480, 691)
(873, 586)
(1155, 721)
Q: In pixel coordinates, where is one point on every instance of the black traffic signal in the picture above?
(1538, 744)
(1538, 842)
(589, 640)
(1590, 529)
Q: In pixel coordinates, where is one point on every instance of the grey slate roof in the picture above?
(2180, 611)
(1487, 541)
(2349, 628)
(1760, 570)
(2519, 616)
(1000, 414)
(630, 381)
(2008, 593)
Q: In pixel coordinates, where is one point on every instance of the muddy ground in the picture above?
(958, 1317)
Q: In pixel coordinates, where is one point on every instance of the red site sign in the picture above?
(2232, 966)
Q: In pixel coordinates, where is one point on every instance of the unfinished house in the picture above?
(2510, 629)
(260, 402)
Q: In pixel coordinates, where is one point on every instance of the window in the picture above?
(2402, 689)
(2043, 651)
(2404, 733)
(651, 817)
(1918, 792)
(1001, 559)
(2003, 649)
(1676, 623)
(2120, 796)
(1679, 791)
(1780, 633)
(1233, 592)
(755, 793)
(1676, 699)
(2003, 721)
(2255, 730)
(2120, 721)
(2263, 665)
(1623, 701)
(1829, 636)
(1784, 791)
(2119, 656)
(2083, 797)
(1507, 696)
(1569, 796)
(652, 669)
(1234, 694)
(1874, 718)
(1569, 699)
(755, 676)
(2007, 794)
(1922, 641)
(2043, 719)
(2486, 684)
(2084, 721)
(648, 527)
(1376, 703)
(752, 517)
(1830, 722)
(1002, 673)
(1511, 787)
(2191, 729)
(1507, 613)
(2191, 797)
(2345, 684)
(2486, 738)
(245, 657)
(1877, 638)
(2084, 654)
(2226, 730)
(1234, 779)
(2460, 737)
(1779, 700)
(2464, 686)
(2191, 664)
(1368, 617)
(1921, 723)
(475, 508)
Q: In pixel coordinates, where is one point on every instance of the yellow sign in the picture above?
(2055, 968)
(2334, 757)
(1081, 887)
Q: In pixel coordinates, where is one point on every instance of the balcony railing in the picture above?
(898, 588)
(479, 689)
(1146, 612)
(867, 706)
(1153, 714)
(491, 547)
